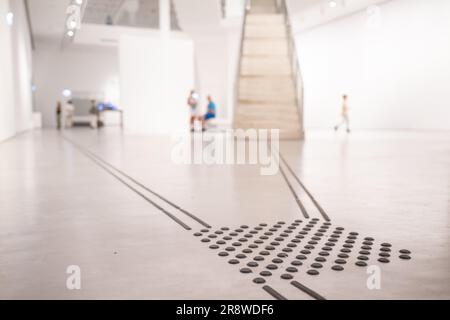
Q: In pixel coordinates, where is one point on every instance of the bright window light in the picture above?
(332, 4)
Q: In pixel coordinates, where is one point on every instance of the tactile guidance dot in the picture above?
(337, 268)
(313, 272)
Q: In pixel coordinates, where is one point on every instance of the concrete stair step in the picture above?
(265, 47)
(271, 122)
(277, 120)
(258, 107)
(256, 65)
(275, 83)
(257, 126)
(267, 125)
(265, 31)
(265, 3)
(266, 112)
(267, 88)
(291, 135)
(266, 98)
(264, 19)
(269, 114)
(285, 134)
(263, 6)
(262, 9)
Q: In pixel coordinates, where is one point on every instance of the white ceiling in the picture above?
(134, 13)
(48, 17)
(300, 5)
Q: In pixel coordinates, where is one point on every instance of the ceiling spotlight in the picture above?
(72, 24)
(10, 19)
(70, 33)
(332, 4)
(79, 2)
(67, 93)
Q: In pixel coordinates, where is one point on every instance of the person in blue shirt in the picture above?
(210, 114)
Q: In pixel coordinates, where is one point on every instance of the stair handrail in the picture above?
(247, 8)
(223, 7)
(294, 60)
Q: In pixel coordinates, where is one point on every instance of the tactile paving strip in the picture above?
(265, 249)
(308, 246)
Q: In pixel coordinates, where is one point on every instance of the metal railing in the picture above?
(223, 8)
(30, 26)
(294, 60)
(247, 7)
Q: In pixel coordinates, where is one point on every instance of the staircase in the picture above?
(267, 95)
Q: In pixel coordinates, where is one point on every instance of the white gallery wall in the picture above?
(15, 71)
(7, 118)
(392, 60)
(156, 75)
(216, 44)
(23, 68)
(81, 69)
(211, 58)
(216, 66)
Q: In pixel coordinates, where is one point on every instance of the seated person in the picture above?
(69, 112)
(210, 114)
(95, 115)
(193, 103)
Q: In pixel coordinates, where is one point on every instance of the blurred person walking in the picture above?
(95, 115)
(58, 115)
(69, 112)
(345, 119)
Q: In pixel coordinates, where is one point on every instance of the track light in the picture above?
(10, 19)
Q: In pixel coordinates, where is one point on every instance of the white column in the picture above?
(164, 16)
(164, 26)
(7, 103)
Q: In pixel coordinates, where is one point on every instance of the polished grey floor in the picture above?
(58, 208)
